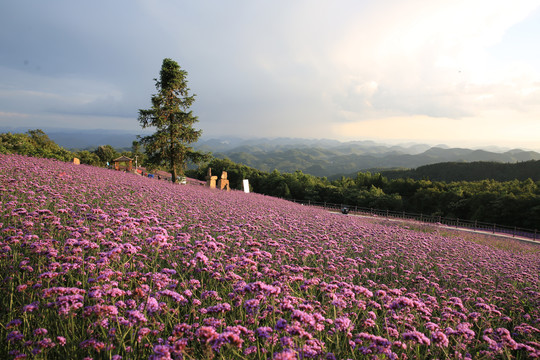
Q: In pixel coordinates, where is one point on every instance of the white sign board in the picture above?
(246, 186)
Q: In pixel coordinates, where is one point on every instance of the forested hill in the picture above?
(473, 171)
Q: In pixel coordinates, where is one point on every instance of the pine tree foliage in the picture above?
(170, 114)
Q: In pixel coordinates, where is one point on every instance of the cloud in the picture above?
(422, 47)
(36, 93)
(303, 68)
(11, 115)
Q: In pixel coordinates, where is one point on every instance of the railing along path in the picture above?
(477, 226)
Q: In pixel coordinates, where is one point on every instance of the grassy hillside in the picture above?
(107, 265)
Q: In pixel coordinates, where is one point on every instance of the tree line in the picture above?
(36, 143)
(470, 171)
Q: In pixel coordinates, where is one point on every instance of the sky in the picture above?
(458, 72)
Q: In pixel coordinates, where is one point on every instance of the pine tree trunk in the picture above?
(173, 168)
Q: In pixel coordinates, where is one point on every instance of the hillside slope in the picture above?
(104, 264)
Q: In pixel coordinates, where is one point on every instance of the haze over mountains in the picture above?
(331, 157)
(319, 157)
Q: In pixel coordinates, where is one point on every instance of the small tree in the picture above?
(106, 154)
(88, 158)
(170, 115)
(33, 143)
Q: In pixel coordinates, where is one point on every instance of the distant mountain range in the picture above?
(319, 157)
(73, 139)
(91, 139)
(332, 158)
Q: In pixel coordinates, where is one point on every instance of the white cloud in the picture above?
(439, 82)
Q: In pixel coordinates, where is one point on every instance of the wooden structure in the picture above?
(123, 163)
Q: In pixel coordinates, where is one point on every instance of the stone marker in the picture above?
(211, 180)
(223, 183)
(76, 161)
(246, 185)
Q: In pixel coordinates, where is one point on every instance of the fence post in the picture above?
(514, 233)
(494, 228)
(421, 217)
(534, 234)
(457, 222)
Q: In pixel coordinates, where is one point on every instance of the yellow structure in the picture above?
(211, 180)
(223, 183)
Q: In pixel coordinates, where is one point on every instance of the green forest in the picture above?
(444, 189)
(37, 143)
(471, 171)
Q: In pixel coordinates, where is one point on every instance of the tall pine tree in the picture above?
(170, 115)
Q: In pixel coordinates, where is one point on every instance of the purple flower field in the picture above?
(97, 264)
